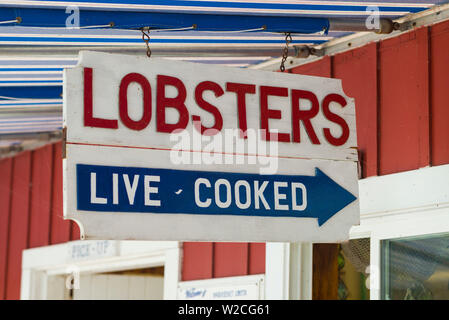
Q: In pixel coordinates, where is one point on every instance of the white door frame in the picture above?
(392, 206)
(39, 264)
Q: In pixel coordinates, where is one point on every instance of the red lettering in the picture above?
(89, 119)
(218, 124)
(178, 103)
(333, 97)
(123, 101)
(304, 115)
(241, 90)
(266, 113)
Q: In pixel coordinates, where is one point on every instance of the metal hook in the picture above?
(147, 40)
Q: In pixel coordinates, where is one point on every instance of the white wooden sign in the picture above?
(228, 288)
(169, 150)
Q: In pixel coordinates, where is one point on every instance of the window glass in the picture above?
(416, 268)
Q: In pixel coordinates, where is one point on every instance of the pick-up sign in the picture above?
(165, 150)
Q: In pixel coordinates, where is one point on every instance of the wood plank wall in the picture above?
(30, 211)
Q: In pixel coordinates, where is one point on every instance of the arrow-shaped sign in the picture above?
(147, 190)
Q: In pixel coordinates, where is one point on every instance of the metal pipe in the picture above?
(383, 26)
(157, 50)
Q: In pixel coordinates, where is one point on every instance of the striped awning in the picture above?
(38, 40)
(318, 8)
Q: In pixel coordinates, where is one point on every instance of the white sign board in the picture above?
(229, 288)
(170, 150)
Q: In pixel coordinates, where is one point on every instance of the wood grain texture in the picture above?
(358, 70)
(439, 93)
(230, 259)
(41, 184)
(197, 262)
(325, 271)
(404, 102)
(256, 258)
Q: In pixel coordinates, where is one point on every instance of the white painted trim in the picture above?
(288, 271)
(172, 273)
(375, 269)
(404, 204)
(25, 285)
(40, 263)
(277, 270)
(301, 271)
(406, 191)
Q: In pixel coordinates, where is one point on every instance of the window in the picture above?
(415, 268)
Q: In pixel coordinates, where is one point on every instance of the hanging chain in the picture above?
(146, 39)
(288, 40)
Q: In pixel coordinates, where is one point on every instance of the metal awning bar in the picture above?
(168, 50)
(384, 25)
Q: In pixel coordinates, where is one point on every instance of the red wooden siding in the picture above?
(30, 211)
(439, 93)
(320, 68)
(197, 260)
(230, 259)
(358, 70)
(400, 89)
(5, 202)
(18, 223)
(404, 102)
(41, 182)
(205, 260)
(256, 258)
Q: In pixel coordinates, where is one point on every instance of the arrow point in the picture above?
(336, 197)
(323, 220)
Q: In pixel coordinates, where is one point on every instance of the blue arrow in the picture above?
(327, 196)
(173, 191)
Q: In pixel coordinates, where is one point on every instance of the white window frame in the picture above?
(40, 264)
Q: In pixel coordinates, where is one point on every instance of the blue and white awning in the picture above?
(296, 8)
(305, 16)
(40, 38)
